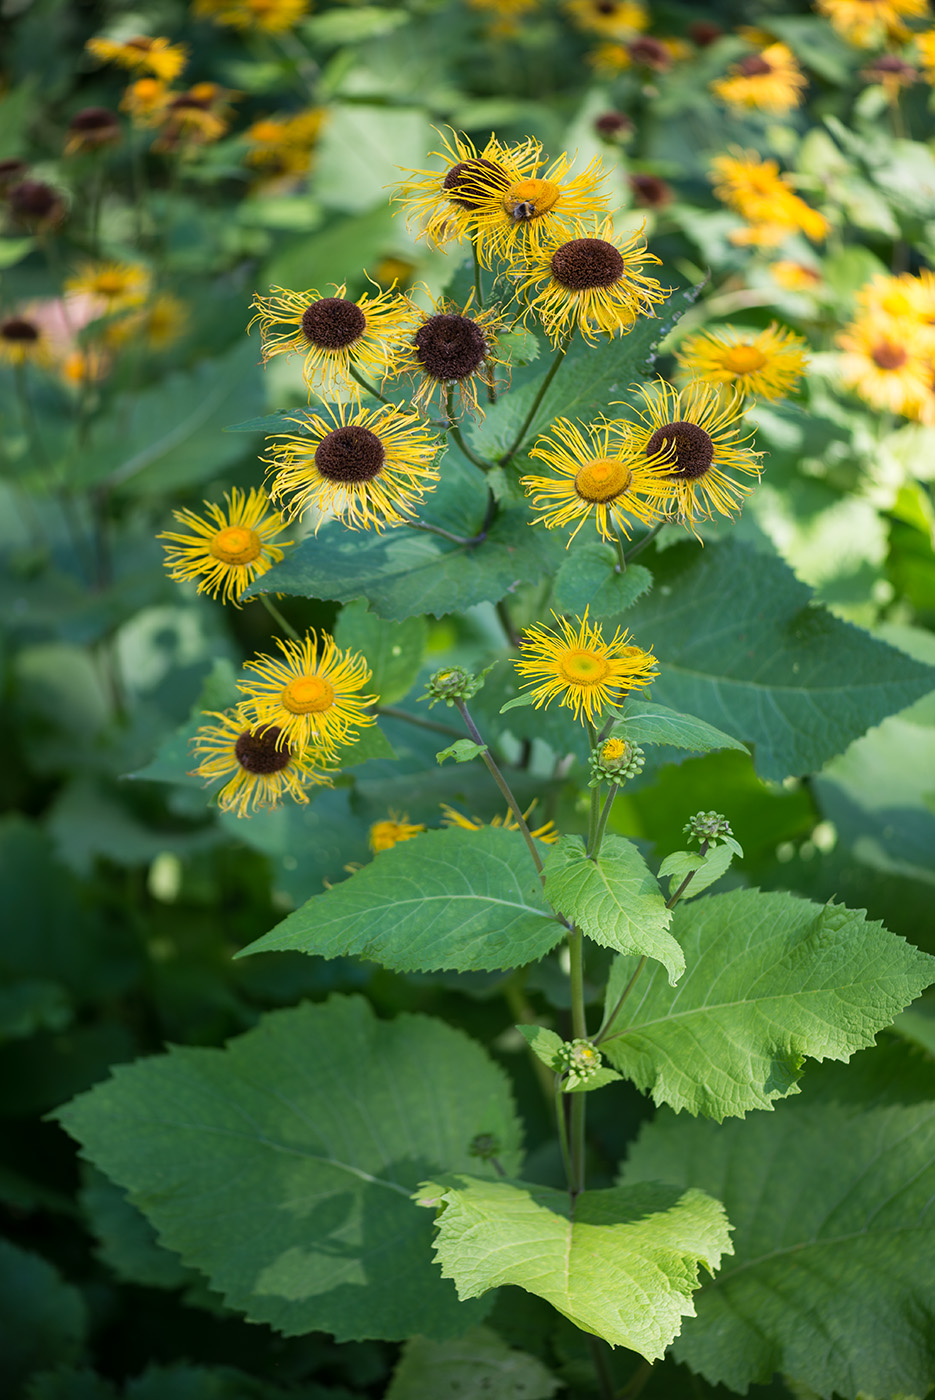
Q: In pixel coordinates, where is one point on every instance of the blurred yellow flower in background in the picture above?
(767, 363)
(871, 23)
(142, 54)
(771, 81)
(386, 834)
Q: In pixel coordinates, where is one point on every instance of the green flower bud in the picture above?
(614, 761)
(707, 826)
(580, 1059)
(451, 684)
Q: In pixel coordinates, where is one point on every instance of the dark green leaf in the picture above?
(477, 1366)
(646, 723)
(393, 650)
(589, 578)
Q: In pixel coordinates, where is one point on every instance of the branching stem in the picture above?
(278, 618)
(502, 784)
(543, 389)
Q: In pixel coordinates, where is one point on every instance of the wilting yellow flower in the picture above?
(142, 54)
(448, 349)
(885, 363)
(397, 827)
(370, 467)
(23, 341)
(146, 101)
(91, 130)
(755, 189)
(311, 695)
(594, 280)
(700, 438)
(229, 549)
(614, 19)
(442, 202)
(577, 664)
(337, 336)
(115, 286)
(268, 16)
(159, 325)
(598, 474)
(260, 771)
(870, 23)
(767, 363)
(546, 832)
(770, 81)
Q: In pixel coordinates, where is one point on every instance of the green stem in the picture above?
(641, 544)
(478, 279)
(502, 784)
(434, 725)
(365, 384)
(543, 388)
(278, 618)
(595, 808)
(562, 1122)
(506, 622)
(673, 901)
(454, 431)
(595, 849)
(605, 1380)
(621, 554)
(579, 1028)
(445, 534)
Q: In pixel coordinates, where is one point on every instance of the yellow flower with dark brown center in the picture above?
(771, 81)
(870, 23)
(384, 835)
(906, 301)
(145, 101)
(266, 16)
(449, 350)
(259, 769)
(369, 467)
(597, 475)
(546, 832)
(91, 129)
(594, 281)
(23, 341)
(885, 363)
(311, 695)
(198, 117)
(700, 439)
(339, 338)
(766, 363)
(443, 202)
(282, 145)
(142, 54)
(892, 73)
(115, 286)
(613, 19)
(579, 666)
(227, 550)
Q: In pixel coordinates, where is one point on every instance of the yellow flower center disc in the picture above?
(110, 284)
(743, 359)
(235, 545)
(582, 667)
(529, 198)
(308, 695)
(602, 480)
(612, 750)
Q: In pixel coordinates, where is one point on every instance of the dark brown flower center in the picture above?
(350, 455)
(650, 191)
(258, 754)
(34, 198)
(470, 181)
(886, 355)
(19, 330)
(612, 124)
(584, 263)
(93, 119)
(687, 447)
(651, 53)
(332, 323)
(703, 32)
(606, 7)
(11, 169)
(754, 66)
(450, 347)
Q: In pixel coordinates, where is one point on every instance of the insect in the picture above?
(526, 210)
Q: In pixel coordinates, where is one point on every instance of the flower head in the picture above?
(596, 475)
(227, 550)
(142, 54)
(311, 695)
(397, 827)
(754, 189)
(23, 341)
(114, 286)
(888, 365)
(767, 363)
(771, 81)
(699, 437)
(613, 19)
(336, 335)
(258, 768)
(448, 348)
(91, 129)
(267, 16)
(546, 832)
(145, 101)
(594, 281)
(870, 23)
(35, 205)
(282, 145)
(577, 664)
(443, 202)
(370, 467)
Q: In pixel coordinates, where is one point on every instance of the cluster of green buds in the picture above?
(579, 1060)
(707, 826)
(452, 683)
(614, 761)
(485, 1146)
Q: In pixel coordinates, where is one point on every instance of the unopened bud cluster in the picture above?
(452, 684)
(580, 1059)
(614, 761)
(707, 826)
(485, 1146)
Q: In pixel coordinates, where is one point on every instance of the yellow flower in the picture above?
(229, 549)
(268, 16)
(260, 771)
(387, 834)
(755, 189)
(795, 276)
(770, 81)
(546, 832)
(146, 101)
(599, 474)
(159, 325)
(370, 467)
(594, 280)
(925, 43)
(23, 342)
(588, 673)
(283, 144)
(142, 54)
(870, 23)
(442, 202)
(337, 336)
(609, 58)
(198, 117)
(767, 363)
(698, 437)
(115, 286)
(86, 366)
(311, 696)
(903, 299)
(614, 19)
(448, 350)
(885, 363)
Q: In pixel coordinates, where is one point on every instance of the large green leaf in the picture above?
(467, 900)
(741, 645)
(393, 652)
(283, 1165)
(834, 1239)
(588, 578)
(42, 1318)
(646, 723)
(772, 979)
(477, 1366)
(615, 899)
(620, 1263)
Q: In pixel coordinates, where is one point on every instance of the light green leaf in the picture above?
(547, 1047)
(588, 578)
(765, 663)
(360, 151)
(312, 262)
(615, 899)
(477, 1366)
(646, 723)
(465, 900)
(371, 743)
(834, 1239)
(521, 702)
(705, 869)
(393, 650)
(42, 1318)
(462, 751)
(621, 1263)
(353, 26)
(544, 1044)
(13, 250)
(314, 1129)
(773, 979)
